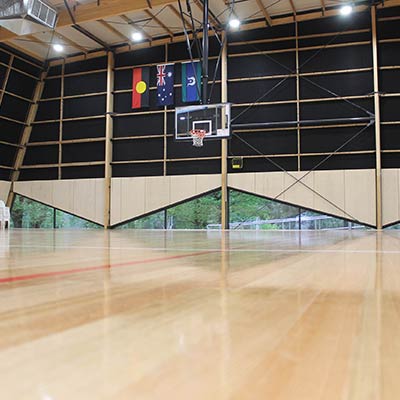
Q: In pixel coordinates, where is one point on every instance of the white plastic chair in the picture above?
(4, 215)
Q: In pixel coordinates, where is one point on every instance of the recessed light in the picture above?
(234, 23)
(346, 10)
(58, 48)
(137, 36)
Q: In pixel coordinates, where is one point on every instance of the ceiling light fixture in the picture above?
(234, 23)
(137, 36)
(346, 10)
(58, 48)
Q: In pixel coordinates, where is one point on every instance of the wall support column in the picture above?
(378, 166)
(224, 142)
(108, 143)
(26, 134)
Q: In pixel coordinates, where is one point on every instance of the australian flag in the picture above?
(165, 84)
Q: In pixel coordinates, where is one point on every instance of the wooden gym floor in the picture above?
(192, 315)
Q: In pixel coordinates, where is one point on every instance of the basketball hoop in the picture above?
(198, 136)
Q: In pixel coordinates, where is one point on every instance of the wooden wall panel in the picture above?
(352, 191)
(4, 188)
(390, 196)
(133, 197)
(83, 198)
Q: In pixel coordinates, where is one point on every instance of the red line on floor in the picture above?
(49, 274)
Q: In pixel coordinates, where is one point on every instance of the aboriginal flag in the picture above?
(140, 87)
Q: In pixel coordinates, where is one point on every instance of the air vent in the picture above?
(27, 16)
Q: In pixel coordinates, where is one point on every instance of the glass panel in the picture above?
(69, 221)
(201, 213)
(397, 226)
(248, 211)
(153, 221)
(26, 213)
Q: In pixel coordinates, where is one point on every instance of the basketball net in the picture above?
(198, 136)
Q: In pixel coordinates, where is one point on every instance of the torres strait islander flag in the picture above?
(140, 87)
(165, 84)
(191, 81)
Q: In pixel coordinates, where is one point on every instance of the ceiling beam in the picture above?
(92, 12)
(70, 42)
(177, 14)
(265, 12)
(293, 9)
(160, 23)
(113, 30)
(136, 27)
(211, 19)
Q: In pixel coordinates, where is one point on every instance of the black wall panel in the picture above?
(388, 29)
(262, 90)
(350, 84)
(55, 71)
(267, 46)
(82, 84)
(258, 34)
(52, 88)
(390, 160)
(80, 152)
(26, 67)
(10, 131)
(389, 81)
(138, 149)
(322, 41)
(274, 142)
(15, 108)
(48, 110)
(194, 167)
(3, 71)
(89, 128)
(340, 161)
(390, 138)
(45, 132)
(41, 155)
(139, 125)
(84, 172)
(331, 59)
(261, 65)
(265, 165)
(264, 113)
(139, 169)
(21, 84)
(5, 174)
(389, 54)
(390, 107)
(335, 109)
(38, 174)
(142, 56)
(330, 139)
(185, 149)
(91, 64)
(7, 154)
(4, 57)
(85, 106)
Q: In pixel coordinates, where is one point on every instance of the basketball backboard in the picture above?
(214, 119)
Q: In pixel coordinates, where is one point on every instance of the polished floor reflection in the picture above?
(196, 315)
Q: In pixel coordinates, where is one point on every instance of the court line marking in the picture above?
(211, 250)
(50, 274)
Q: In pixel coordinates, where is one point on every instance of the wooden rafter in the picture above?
(211, 19)
(177, 14)
(265, 12)
(71, 42)
(136, 27)
(93, 12)
(293, 9)
(323, 6)
(160, 23)
(113, 30)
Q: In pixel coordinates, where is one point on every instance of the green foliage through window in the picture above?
(26, 213)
